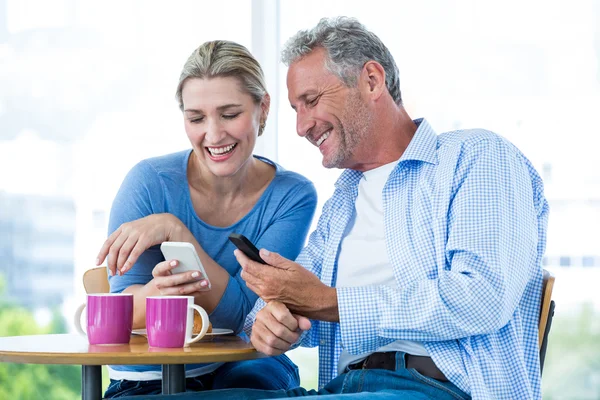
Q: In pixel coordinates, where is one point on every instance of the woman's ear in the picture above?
(265, 105)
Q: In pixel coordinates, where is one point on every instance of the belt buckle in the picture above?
(364, 363)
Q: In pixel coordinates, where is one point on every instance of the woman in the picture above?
(200, 196)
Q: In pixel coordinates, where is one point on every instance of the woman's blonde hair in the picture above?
(222, 58)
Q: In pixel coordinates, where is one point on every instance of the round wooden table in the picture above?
(74, 349)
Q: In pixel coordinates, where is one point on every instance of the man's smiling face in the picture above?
(331, 115)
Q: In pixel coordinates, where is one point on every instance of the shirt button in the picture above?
(323, 342)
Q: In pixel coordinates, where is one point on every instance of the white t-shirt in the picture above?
(363, 258)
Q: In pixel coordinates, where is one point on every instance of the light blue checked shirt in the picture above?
(465, 228)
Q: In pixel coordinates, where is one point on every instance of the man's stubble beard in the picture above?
(352, 130)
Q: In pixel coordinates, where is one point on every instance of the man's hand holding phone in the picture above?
(283, 280)
(246, 246)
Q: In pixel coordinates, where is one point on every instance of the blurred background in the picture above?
(87, 90)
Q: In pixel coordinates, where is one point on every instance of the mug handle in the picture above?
(77, 319)
(205, 323)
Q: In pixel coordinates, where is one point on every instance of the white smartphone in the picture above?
(187, 256)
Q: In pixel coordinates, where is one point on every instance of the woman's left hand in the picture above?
(130, 240)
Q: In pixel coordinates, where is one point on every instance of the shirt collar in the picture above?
(424, 144)
(422, 147)
(349, 177)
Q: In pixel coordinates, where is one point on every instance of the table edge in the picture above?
(138, 359)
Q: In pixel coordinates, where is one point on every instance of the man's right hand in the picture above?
(276, 329)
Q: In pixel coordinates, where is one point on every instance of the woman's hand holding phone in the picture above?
(185, 283)
(184, 263)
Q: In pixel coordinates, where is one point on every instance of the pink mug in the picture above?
(109, 318)
(170, 320)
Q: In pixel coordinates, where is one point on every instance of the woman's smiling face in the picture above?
(222, 122)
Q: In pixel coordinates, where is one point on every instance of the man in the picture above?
(423, 277)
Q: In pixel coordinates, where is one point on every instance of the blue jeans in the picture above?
(403, 383)
(273, 373)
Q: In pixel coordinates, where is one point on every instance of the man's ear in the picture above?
(373, 78)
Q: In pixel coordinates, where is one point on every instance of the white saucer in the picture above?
(215, 332)
(219, 331)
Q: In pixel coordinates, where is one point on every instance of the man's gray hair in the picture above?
(349, 46)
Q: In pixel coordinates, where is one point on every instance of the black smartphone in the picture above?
(246, 246)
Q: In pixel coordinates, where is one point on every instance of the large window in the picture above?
(88, 91)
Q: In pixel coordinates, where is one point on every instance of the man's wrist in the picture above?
(323, 305)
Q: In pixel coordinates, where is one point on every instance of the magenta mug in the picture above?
(170, 320)
(109, 318)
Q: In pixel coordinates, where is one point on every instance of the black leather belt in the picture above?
(387, 360)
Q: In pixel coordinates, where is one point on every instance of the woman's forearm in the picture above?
(207, 299)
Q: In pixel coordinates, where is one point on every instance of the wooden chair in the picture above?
(546, 314)
(95, 280)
